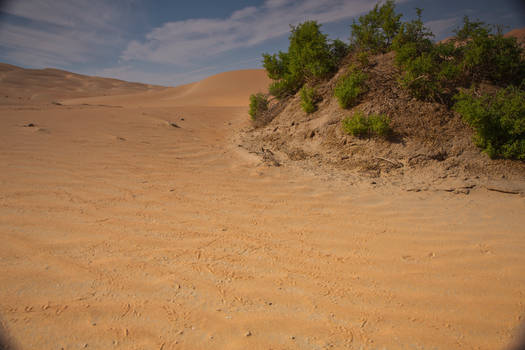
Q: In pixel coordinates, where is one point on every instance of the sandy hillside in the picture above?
(20, 86)
(136, 222)
(519, 34)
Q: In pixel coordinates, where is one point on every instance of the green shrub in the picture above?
(498, 120)
(363, 58)
(350, 87)
(374, 124)
(379, 125)
(338, 51)
(376, 30)
(309, 99)
(310, 57)
(258, 105)
(435, 71)
(356, 125)
(430, 71)
(283, 88)
(412, 40)
(276, 65)
(488, 55)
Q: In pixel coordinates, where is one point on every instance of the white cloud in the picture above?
(60, 32)
(66, 13)
(38, 48)
(183, 41)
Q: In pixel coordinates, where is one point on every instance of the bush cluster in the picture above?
(258, 105)
(430, 72)
(498, 120)
(361, 126)
(376, 30)
(310, 57)
(476, 54)
(309, 99)
(350, 87)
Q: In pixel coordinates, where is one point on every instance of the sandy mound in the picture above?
(519, 34)
(225, 89)
(37, 86)
(431, 147)
(229, 89)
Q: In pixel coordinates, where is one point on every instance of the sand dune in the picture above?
(518, 33)
(120, 230)
(229, 89)
(37, 86)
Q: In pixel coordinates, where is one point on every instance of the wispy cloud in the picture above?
(65, 13)
(183, 41)
(60, 32)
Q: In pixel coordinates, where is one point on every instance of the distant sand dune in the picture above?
(37, 86)
(229, 89)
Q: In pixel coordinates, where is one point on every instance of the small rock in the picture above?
(182, 119)
(248, 334)
(292, 337)
(174, 125)
(30, 125)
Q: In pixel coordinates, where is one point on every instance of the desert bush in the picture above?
(373, 125)
(338, 51)
(363, 58)
(487, 55)
(350, 87)
(498, 121)
(432, 75)
(435, 71)
(258, 105)
(276, 65)
(379, 125)
(376, 30)
(283, 88)
(430, 71)
(309, 99)
(412, 40)
(310, 57)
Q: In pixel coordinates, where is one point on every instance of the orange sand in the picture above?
(120, 231)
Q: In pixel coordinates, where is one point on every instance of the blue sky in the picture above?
(175, 42)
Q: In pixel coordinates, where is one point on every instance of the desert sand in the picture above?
(134, 221)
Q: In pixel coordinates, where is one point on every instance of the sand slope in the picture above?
(229, 89)
(122, 231)
(43, 86)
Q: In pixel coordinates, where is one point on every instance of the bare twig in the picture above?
(396, 163)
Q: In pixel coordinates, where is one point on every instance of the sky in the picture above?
(172, 42)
